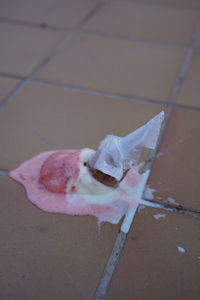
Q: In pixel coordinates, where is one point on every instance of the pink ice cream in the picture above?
(60, 182)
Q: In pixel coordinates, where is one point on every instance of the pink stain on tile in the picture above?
(44, 178)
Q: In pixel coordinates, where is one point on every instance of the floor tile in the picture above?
(6, 86)
(46, 118)
(152, 266)
(190, 91)
(176, 170)
(48, 256)
(22, 48)
(117, 65)
(53, 12)
(145, 21)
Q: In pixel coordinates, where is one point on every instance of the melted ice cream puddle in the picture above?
(91, 197)
(84, 195)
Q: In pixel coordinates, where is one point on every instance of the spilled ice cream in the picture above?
(61, 181)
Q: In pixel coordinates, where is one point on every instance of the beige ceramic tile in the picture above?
(6, 86)
(43, 117)
(53, 12)
(147, 22)
(117, 65)
(48, 256)
(22, 48)
(151, 267)
(176, 170)
(190, 91)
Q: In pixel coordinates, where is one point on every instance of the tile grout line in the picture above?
(14, 76)
(158, 3)
(170, 207)
(89, 32)
(92, 12)
(57, 49)
(46, 25)
(133, 39)
(97, 92)
(39, 25)
(192, 108)
(111, 264)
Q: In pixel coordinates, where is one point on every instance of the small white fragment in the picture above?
(180, 249)
(159, 198)
(198, 257)
(141, 207)
(159, 216)
(148, 193)
(170, 200)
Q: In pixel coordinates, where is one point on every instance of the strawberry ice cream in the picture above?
(103, 183)
(60, 182)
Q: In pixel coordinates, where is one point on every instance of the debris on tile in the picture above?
(159, 216)
(141, 207)
(148, 193)
(180, 249)
(170, 200)
(158, 197)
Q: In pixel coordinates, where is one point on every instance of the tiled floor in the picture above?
(70, 73)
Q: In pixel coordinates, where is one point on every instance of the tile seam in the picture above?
(139, 40)
(157, 3)
(98, 92)
(187, 107)
(168, 207)
(48, 26)
(32, 24)
(9, 75)
(89, 32)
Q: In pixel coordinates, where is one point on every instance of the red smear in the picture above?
(58, 169)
